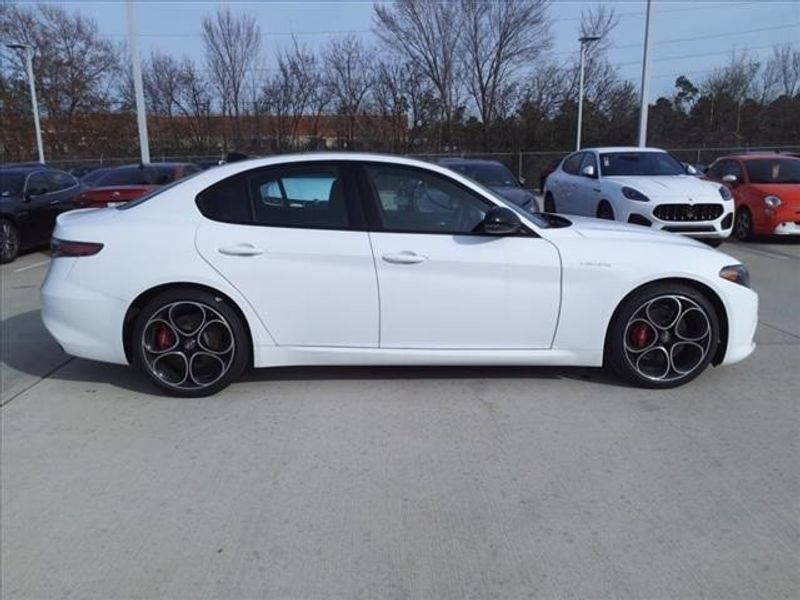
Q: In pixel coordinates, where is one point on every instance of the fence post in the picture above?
(519, 165)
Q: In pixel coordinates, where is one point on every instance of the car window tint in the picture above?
(37, 183)
(588, 160)
(226, 201)
(312, 196)
(60, 181)
(731, 167)
(411, 200)
(572, 163)
(11, 183)
(124, 176)
(715, 170)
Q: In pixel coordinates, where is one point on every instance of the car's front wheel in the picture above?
(549, 203)
(9, 241)
(662, 336)
(604, 211)
(743, 224)
(190, 342)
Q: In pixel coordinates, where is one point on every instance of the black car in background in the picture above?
(31, 197)
(495, 176)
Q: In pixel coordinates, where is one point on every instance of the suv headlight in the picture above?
(632, 194)
(772, 201)
(737, 274)
(725, 193)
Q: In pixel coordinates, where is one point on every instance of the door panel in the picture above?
(285, 237)
(310, 287)
(468, 292)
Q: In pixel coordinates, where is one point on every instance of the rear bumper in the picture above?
(84, 322)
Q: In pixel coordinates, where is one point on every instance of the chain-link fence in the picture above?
(528, 166)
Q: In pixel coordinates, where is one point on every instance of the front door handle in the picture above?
(404, 258)
(241, 250)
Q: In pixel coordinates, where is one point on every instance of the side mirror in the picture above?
(691, 170)
(500, 220)
(521, 181)
(588, 171)
(730, 178)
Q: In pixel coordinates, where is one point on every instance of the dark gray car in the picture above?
(495, 176)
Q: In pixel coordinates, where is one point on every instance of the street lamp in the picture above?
(29, 61)
(584, 40)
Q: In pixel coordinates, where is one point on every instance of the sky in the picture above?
(688, 37)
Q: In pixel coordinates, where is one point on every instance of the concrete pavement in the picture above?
(406, 482)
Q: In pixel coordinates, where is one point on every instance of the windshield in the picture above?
(491, 175)
(639, 163)
(773, 170)
(11, 183)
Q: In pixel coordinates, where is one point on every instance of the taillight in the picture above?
(66, 248)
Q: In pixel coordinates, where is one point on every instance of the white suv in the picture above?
(644, 186)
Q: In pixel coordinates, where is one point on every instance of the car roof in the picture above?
(758, 155)
(25, 168)
(468, 161)
(620, 149)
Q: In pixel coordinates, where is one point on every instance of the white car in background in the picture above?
(360, 259)
(643, 186)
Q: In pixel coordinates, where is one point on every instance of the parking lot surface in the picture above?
(402, 482)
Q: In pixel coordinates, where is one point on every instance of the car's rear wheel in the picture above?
(604, 211)
(743, 224)
(549, 203)
(662, 336)
(190, 342)
(9, 241)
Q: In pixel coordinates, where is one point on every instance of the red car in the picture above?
(766, 188)
(123, 184)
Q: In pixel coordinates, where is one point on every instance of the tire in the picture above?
(604, 211)
(549, 203)
(743, 224)
(190, 342)
(662, 336)
(9, 241)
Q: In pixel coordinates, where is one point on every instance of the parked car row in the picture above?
(32, 195)
(744, 195)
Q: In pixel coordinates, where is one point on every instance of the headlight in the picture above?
(632, 194)
(725, 193)
(737, 274)
(772, 201)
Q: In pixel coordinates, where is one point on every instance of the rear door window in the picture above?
(572, 163)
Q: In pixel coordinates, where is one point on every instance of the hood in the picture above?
(678, 188)
(614, 230)
(787, 192)
(517, 195)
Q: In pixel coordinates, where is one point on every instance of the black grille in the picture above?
(689, 228)
(688, 212)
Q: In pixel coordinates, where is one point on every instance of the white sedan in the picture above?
(357, 259)
(643, 186)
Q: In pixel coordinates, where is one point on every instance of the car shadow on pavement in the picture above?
(29, 350)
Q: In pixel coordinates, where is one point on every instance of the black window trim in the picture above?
(370, 202)
(354, 206)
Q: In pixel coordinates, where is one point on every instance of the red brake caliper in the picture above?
(164, 338)
(639, 334)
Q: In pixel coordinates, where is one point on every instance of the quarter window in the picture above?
(414, 201)
(572, 163)
(60, 181)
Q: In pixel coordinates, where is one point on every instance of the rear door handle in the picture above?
(404, 258)
(241, 250)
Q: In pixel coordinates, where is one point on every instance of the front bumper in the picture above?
(742, 307)
(718, 228)
(787, 228)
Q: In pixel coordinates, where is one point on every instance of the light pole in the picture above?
(645, 88)
(138, 87)
(584, 40)
(29, 63)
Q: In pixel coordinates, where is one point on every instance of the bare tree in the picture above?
(785, 63)
(232, 48)
(74, 69)
(350, 73)
(427, 35)
(499, 38)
